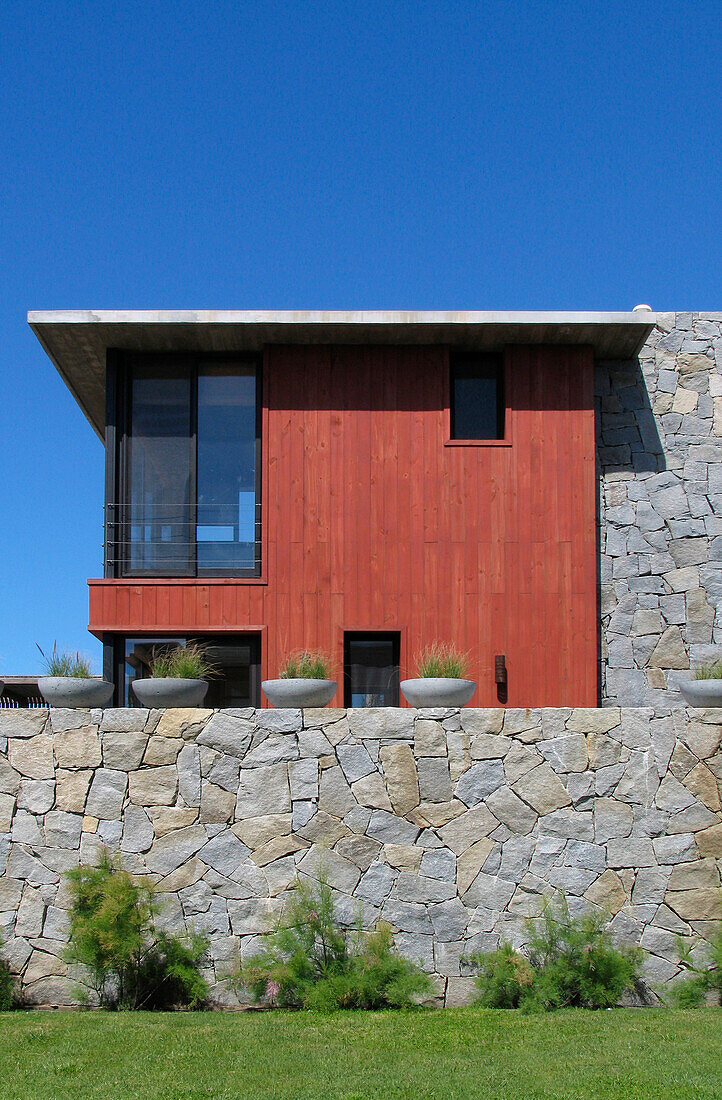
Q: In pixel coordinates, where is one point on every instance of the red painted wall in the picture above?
(370, 520)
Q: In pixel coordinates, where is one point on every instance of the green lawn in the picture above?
(454, 1054)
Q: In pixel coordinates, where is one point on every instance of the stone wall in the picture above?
(452, 825)
(659, 426)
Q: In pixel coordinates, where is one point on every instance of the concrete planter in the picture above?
(170, 691)
(74, 691)
(300, 692)
(702, 693)
(437, 691)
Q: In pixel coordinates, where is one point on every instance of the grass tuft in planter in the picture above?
(305, 665)
(182, 663)
(441, 659)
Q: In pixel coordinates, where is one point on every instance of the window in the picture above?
(371, 670)
(235, 657)
(189, 496)
(477, 397)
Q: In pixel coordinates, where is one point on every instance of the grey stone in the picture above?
(227, 734)
(138, 832)
(390, 829)
(271, 749)
(355, 762)
(449, 919)
(189, 775)
(419, 888)
(174, 849)
(376, 883)
(263, 791)
(566, 754)
(434, 780)
(407, 916)
(224, 853)
(122, 750)
(107, 793)
(480, 781)
(509, 808)
(62, 830)
(439, 863)
(630, 852)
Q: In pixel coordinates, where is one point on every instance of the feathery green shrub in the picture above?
(312, 961)
(568, 962)
(131, 964)
(305, 665)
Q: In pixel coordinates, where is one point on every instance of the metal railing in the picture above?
(182, 538)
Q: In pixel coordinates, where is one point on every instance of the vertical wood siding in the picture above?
(371, 522)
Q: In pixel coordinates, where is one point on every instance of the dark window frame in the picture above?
(114, 655)
(479, 365)
(118, 424)
(394, 636)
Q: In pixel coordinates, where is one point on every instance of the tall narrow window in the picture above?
(188, 489)
(226, 471)
(155, 515)
(477, 397)
(371, 670)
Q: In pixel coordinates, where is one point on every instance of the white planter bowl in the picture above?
(74, 691)
(295, 693)
(437, 691)
(702, 693)
(170, 691)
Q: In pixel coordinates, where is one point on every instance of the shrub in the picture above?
(182, 662)
(312, 961)
(701, 978)
(711, 671)
(442, 659)
(7, 987)
(65, 663)
(569, 962)
(305, 665)
(131, 964)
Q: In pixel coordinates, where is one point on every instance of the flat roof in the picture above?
(77, 339)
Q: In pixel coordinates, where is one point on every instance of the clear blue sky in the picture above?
(275, 155)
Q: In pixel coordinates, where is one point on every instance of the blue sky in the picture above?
(332, 155)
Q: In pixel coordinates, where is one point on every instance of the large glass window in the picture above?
(226, 468)
(477, 397)
(371, 670)
(236, 659)
(189, 479)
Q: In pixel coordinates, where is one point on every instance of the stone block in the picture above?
(107, 794)
(334, 793)
(401, 776)
(72, 790)
(172, 850)
(566, 754)
(217, 805)
(62, 830)
(257, 831)
(355, 762)
(263, 791)
(32, 757)
(138, 834)
(376, 883)
(509, 809)
(480, 781)
(227, 734)
(469, 827)
(152, 786)
(371, 792)
(429, 738)
(390, 829)
(434, 780)
(167, 818)
(77, 748)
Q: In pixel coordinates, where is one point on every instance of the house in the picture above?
(368, 482)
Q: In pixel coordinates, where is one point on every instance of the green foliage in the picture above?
(183, 663)
(504, 977)
(66, 663)
(702, 978)
(130, 963)
(442, 659)
(305, 665)
(312, 961)
(7, 986)
(711, 671)
(570, 962)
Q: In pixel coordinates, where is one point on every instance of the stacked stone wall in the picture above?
(451, 825)
(659, 448)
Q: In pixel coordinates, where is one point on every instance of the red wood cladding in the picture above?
(370, 521)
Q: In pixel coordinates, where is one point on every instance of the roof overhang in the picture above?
(77, 340)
